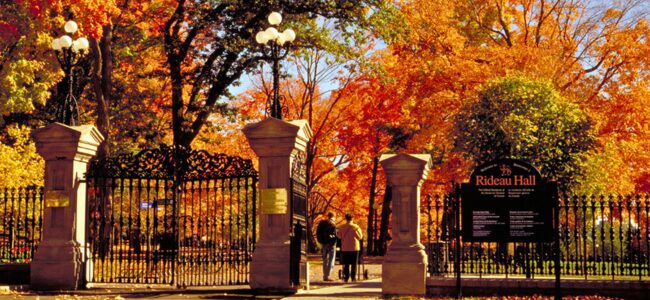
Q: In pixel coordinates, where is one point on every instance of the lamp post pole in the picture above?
(276, 108)
(277, 40)
(69, 53)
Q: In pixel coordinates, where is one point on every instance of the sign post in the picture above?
(556, 223)
(506, 200)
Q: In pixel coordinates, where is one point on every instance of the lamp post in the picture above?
(69, 53)
(275, 53)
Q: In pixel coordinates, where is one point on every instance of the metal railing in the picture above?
(21, 224)
(172, 216)
(601, 237)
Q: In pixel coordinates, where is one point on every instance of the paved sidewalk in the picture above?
(369, 289)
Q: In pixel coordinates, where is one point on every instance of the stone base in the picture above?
(270, 268)
(403, 279)
(404, 272)
(57, 267)
(56, 276)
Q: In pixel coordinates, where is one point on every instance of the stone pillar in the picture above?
(404, 270)
(59, 261)
(276, 143)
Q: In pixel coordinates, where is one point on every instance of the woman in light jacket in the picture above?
(350, 235)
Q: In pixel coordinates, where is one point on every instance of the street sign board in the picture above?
(506, 200)
(145, 205)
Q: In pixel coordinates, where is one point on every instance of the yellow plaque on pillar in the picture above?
(274, 201)
(56, 198)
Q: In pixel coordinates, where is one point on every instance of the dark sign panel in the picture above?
(506, 200)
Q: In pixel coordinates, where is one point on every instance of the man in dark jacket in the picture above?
(326, 236)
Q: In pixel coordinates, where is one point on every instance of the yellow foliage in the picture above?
(20, 165)
(23, 84)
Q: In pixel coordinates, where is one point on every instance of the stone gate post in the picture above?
(405, 264)
(276, 143)
(59, 261)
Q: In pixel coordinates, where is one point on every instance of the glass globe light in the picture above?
(65, 41)
(75, 46)
(289, 35)
(271, 33)
(261, 38)
(70, 26)
(275, 18)
(56, 44)
(83, 43)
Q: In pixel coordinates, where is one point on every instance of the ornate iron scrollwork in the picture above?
(172, 162)
(299, 186)
(172, 207)
(299, 167)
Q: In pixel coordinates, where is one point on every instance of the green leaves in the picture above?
(24, 82)
(525, 119)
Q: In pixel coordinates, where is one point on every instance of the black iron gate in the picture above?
(298, 219)
(172, 216)
(21, 213)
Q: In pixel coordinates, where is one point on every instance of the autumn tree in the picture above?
(27, 71)
(372, 131)
(318, 94)
(520, 118)
(441, 52)
(209, 45)
(30, 77)
(326, 59)
(129, 81)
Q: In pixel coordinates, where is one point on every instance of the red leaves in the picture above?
(8, 31)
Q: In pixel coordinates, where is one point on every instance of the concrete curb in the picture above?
(520, 286)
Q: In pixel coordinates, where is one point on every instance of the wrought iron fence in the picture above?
(172, 216)
(21, 225)
(601, 237)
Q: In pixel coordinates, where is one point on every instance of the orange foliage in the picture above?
(444, 51)
(91, 15)
(598, 59)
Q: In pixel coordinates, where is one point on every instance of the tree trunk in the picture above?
(102, 79)
(370, 249)
(311, 240)
(178, 126)
(382, 243)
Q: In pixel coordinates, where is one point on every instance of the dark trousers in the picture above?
(350, 259)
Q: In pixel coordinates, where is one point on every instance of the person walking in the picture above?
(350, 235)
(326, 236)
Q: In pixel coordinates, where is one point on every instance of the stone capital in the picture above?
(275, 137)
(58, 141)
(406, 169)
